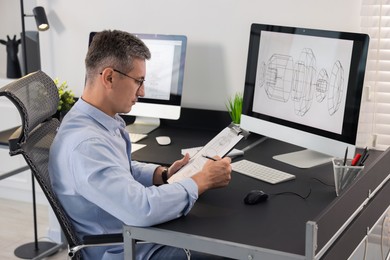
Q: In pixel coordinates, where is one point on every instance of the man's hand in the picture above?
(177, 165)
(215, 174)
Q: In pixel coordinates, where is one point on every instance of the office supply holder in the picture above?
(344, 174)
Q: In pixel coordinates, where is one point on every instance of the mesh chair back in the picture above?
(36, 98)
(36, 153)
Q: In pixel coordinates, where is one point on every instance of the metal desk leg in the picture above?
(129, 244)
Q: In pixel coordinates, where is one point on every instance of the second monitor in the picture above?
(163, 82)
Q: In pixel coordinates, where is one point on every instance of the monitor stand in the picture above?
(304, 159)
(143, 125)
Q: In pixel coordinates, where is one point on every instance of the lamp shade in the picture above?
(40, 18)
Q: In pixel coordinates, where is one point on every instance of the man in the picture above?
(90, 164)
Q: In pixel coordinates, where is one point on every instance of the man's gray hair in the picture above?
(116, 49)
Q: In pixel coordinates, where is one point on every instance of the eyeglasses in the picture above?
(140, 82)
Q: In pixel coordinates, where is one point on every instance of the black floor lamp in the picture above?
(42, 24)
(37, 248)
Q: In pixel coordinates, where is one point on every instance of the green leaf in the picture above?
(66, 96)
(234, 107)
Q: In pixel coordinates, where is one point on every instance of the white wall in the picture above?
(9, 16)
(217, 31)
(11, 24)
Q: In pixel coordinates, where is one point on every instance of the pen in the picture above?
(364, 154)
(345, 156)
(364, 159)
(210, 158)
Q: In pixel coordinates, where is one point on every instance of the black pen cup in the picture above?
(344, 175)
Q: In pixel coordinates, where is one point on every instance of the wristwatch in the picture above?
(164, 175)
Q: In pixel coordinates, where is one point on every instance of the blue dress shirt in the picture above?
(101, 188)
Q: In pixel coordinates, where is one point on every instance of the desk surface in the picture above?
(277, 224)
(274, 224)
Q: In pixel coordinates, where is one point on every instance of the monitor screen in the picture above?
(163, 81)
(304, 86)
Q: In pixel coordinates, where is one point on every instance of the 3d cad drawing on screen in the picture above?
(284, 79)
(306, 74)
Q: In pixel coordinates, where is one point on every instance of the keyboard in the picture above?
(134, 137)
(261, 172)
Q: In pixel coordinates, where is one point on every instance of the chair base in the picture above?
(29, 251)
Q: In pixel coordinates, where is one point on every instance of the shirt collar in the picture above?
(108, 122)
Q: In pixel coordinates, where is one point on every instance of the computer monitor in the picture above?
(304, 86)
(163, 82)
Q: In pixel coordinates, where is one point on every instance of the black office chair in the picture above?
(36, 98)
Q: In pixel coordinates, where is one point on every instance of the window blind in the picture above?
(374, 122)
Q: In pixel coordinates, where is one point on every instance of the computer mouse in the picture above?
(163, 140)
(255, 196)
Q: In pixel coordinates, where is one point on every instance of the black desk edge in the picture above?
(358, 200)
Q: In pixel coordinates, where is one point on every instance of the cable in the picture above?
(299, 195)
(293, 193)
(321, 181)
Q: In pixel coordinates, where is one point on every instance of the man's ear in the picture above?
(107, 77)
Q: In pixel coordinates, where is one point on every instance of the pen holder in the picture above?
(344, 175)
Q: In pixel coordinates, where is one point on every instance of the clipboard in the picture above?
(220, 145)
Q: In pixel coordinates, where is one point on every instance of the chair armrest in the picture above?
(103, 239)
(96, 240)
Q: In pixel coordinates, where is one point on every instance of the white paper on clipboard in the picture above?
(220, 145)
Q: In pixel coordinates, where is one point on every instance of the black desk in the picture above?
(286, 226)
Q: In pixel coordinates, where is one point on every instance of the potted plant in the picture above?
(66, 98)
(234, 107)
